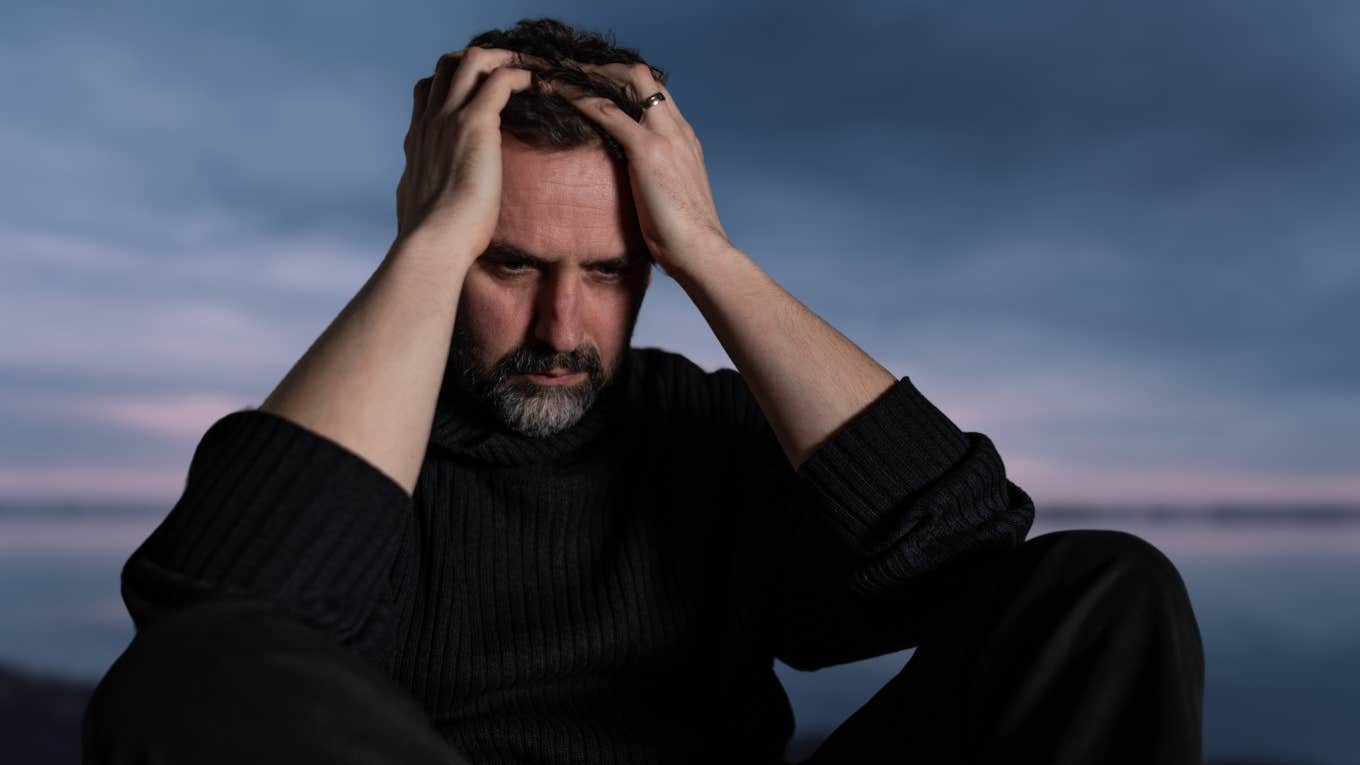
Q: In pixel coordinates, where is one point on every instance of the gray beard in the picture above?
(532, 410)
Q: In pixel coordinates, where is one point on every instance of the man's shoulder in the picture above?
(668, 365)
(662, 367)
(676, 382)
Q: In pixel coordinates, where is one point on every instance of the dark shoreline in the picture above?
(1300, 514)
(1274, 512)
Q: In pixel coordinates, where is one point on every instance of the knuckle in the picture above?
(503, 75)
(641, 71)
(477, 55)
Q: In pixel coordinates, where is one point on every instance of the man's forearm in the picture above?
(808, 378)
(371, 380)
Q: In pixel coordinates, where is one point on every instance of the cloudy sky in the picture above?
(1119, 238)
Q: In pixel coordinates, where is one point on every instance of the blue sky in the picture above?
(1119, 238)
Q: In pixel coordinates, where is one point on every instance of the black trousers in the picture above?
(1077, 646)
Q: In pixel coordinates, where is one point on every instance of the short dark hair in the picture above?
(546, 120)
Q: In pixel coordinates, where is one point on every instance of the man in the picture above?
(476, 525)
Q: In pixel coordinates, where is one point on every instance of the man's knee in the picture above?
(1124, 568)
(175, 668)
(245, 681)
(1120, 553)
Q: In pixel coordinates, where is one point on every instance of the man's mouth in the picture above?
(554, 377)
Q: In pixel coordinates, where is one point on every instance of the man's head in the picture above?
(562, 284)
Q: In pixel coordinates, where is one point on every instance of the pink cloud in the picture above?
(185, 416)
(1052, 481)
(180, 416)
(96, 484)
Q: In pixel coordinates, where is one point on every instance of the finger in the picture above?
(641, 83)
(420, 97)
(443, 75)
(609, 116)
(491, 97)
(477, 64)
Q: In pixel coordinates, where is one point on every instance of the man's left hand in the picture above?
(675, 207)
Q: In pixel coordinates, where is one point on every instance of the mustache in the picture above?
(528, 362)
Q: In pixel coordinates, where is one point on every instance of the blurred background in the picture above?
(1118, 238)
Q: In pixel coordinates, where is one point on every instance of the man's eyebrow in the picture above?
(499, 250)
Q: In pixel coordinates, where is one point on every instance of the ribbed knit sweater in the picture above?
(614, 593)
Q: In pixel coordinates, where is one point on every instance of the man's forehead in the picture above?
(577, 166)
(575, 201)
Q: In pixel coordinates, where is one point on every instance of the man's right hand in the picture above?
(452, 180)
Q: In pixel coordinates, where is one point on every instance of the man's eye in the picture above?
(519, 267)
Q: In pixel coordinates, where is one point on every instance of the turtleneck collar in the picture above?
(469, 428)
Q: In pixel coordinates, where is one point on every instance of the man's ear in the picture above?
(649, 277)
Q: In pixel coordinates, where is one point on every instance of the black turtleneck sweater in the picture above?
(614, 593)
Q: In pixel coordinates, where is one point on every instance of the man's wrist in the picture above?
(438, 245)
(702, 259)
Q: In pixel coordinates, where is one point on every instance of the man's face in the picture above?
(572, 313)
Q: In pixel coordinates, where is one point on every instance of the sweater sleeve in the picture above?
(870, 530)
(274, 511)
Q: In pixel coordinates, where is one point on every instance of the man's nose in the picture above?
(558, 309)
